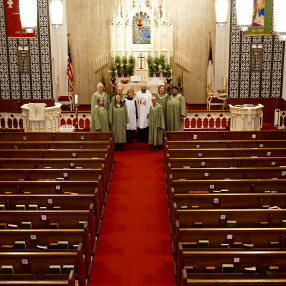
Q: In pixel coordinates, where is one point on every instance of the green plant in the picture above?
(124, 64)
(168, 71)
(151, 69)
(131, 64)
(157, 64)
(117, 62)
(113, 70)
(162, 62)
(149, 61)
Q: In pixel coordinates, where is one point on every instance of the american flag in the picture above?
(70, 69)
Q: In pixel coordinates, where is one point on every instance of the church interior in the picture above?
(207, 207)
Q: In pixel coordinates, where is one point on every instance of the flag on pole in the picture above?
(69, 70)
(210, 74)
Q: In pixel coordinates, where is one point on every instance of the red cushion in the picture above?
(215, 100)
(65, 98)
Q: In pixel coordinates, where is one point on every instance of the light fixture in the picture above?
(244, 10)
(57, 9)
(28, 14)
(279, 22)
(221, 12)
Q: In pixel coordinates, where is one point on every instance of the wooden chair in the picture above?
(66, 99)
(216, 99)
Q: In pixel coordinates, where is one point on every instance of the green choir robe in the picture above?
(176, 107)
(162, 100)
(118, 117)
(100, 119)
(156, 124)
(94, 102)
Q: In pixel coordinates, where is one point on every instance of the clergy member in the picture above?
(176, 111)
(143, 100)
(162, 98)
(118, 120)
(131, 107)
(94, 99)
(100, 117)
(156, 124)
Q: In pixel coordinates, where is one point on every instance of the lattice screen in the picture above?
(245, 84)
(36, 85)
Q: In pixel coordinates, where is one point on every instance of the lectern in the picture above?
(246, 117)
(38, 118)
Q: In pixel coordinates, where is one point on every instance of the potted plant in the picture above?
(157, 66)
(131, 64)
(168, 73)
(179, 83)
(163, 65)
(151, 70)
(118, 65)
(124, 66)
(113, 73)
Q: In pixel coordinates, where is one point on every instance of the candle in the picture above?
(76, 99)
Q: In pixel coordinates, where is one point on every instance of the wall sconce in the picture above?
(244, 10)
(221, 12)
(279, 22)
(28, 14)
(56, 10)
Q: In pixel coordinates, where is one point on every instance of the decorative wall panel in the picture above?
(36, 85)
(256, 84)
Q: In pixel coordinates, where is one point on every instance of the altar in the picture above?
(38, 118)
(246, 117)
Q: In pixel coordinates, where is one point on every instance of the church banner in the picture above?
(14, 28)
(261, 18)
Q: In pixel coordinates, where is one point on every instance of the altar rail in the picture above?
(200, 119)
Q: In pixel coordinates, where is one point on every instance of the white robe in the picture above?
(131, 111)
(144, 102)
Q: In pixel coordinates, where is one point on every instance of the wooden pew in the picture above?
(226, 162)
(56, 187)
(66, 219)
(237, 279)
(65, 201)
(43, 237)
(39, 262)
(37, 279)
(225, 135)
(195, 144)
(261, 259)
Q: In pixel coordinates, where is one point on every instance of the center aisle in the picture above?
(134, 246)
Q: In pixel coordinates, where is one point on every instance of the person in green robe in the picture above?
(176, 111)
(94, 100)
(118, 119)
(119, 91)
(156, 124)
(100, 117)
(162, 98)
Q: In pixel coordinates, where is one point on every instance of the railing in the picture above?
(201, 119)
(207, 119)
(280, 118)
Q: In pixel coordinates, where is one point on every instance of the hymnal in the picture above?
(60, 179)
(54, 225)
(210, 269)
(55, 269)
(203, 243)
(195, 207)
(191, 244)
(20, 207)
(237, 244)
(33, 207)
(198, 224)
(250, 269)
(26, 225)
(264, 223)
(248, 245)
(274, 244)
(231, 223)
(273, 268)
(283, 223)
(43, 247)
(224, 245)
(7, 246)
(53, 245)
(228, 268)
(67, 269)
(81, 224)
(184, 207)
(7, 269)
(3, 225)
(63, 245)
(13, 226)
(43, 208)
(20, 245)
(2, 207)
(189, 269)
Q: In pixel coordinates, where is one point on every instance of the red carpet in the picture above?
(134, 246)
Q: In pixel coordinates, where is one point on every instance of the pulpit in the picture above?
(38, 118)
(246, 117)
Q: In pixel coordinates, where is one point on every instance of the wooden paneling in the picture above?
(89, 22)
